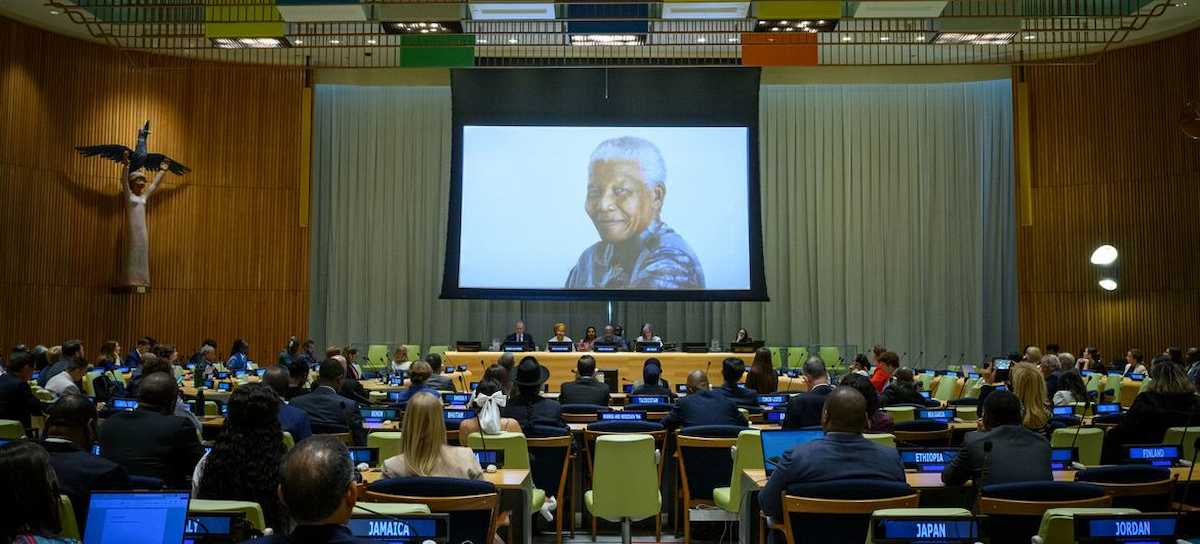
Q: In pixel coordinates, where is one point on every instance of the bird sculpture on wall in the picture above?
(138, 157)
(1189, 120)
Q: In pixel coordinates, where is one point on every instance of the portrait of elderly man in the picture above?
(625, 194)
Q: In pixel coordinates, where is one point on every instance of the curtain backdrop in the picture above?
(887, 218)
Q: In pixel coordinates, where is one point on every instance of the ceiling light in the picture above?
(792, 25)
(249, 43)
(1030, 37)
(423, 27)
(701, 40)
(976, 38)
(761, 23)
(731, 40)
(512, 40)
(55, 12)
(520, 11)
(783, 22)
(607, 39)
(335, 42)
(298, 41)
(847, 38)
(885, 39)
(1108, 284)
(705, 10)
(1104, 255)
(481, 40)
(372, 41)
(920, 38)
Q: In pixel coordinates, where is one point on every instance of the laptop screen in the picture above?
(1108, 408)
(776, 416)
(402, 529)
(775, 443)
(370, 456)
(490, 457)
(211, 528)
(123, 517)
(124, 404)
(1064, 411)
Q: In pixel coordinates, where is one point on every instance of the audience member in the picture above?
(509, 362)
(290, 353)
(308, 356)
(17, 401)
(350, 386)
(861, 365)
(988, 380)
(317, 488)
(67, 382)
(134, 358)
(886, 364)
(200, 357)
(761, 377)
(1070, 389)
(1175, 355)
(742, 336)
(1052, 349)
(168, 353)
(1029, 386)
(1066, 362)
(353, 370)
(529, 408)
(244, 462)
(152, 364)
(1016, 454)
(70, 432)
(825, 459)
(297, 381)
(205, 364)
(1134, 360)
(329, 411)
(652, 382)
(585, 389)
(732, 370)
(291, 419)
(107, 384)
(71, 349)
(239, 356)
(1051, 372)
(1193, 364)
(418, 377)
(904, 390)
(610, 337)
(423, 448)
(702, 406)
(805, 409)
(400, 362)
(1032, 355)
(437, 380)
(29, 492)
(1169, 400)
(41, 358)
(110, 355)
(151, 441)
(488, 401)
(878, 421)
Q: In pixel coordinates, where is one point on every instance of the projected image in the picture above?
(608, 208)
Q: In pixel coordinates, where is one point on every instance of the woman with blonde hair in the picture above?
(1030, 387)
(560, 335)
(423, 448)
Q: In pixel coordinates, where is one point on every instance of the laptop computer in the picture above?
(776, 442)
(927, 459)
(923, 529)
(558, 347)
(223, 528)
(122, 517)
(370, 456)
(681, 388)
(404, 529)
(1141, 528)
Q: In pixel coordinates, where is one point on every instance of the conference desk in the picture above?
(675, 365)
(510, 481)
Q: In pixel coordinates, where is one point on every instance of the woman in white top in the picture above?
(423, 448)
(400, 362)
(648, 335)
(1070, 389)
(1133, 363)
(560, 335)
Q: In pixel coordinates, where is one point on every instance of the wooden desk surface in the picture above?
(675, 365)
(505, 478)
(933, 480)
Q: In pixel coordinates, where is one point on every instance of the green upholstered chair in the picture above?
(747, 454)
(1114, 383)
(440, 350)
(887, 439)
(252, 510)
(831, 355)
(967, 413)
(972, 389)
(43, 394)
(89, 387)
(1058, 524)
(625, 486)
(777, 358)
(1089, 442)
(947, 389)
(288, 441)
(388, 443)
(924, 378)
(414, 351)
(796, 355)
(901, 414)
(389, 509)
(10, 429)
(1186, 435)
(66, 515)
(516, 449)
(937, 513)
(210, 407)
(377, 357)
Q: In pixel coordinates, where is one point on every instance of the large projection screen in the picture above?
(594, 184)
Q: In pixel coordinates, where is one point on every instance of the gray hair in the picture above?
(1066, 361)
(206, 349)
(815, 367)
(632, 148)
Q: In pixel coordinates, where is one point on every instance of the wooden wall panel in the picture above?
(1110, 165)
(228, 253)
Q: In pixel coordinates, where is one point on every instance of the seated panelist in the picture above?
(560, 335)
(519, 336)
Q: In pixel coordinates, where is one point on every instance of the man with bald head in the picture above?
(316, 483)
(841, 454)
(151, 441)
(291, 419)
(703, 406)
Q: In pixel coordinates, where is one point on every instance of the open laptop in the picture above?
(124, 517)
(402, 529)
(370, 456)
(223, 528)
(1142, 528)
(924, 529)
(776, 442)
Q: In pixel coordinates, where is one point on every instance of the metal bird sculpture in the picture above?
(138, 157)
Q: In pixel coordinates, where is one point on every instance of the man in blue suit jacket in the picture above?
(68, 441)
(842, 454)
(519, 335)
(291, 419)
(805, 409)
(702, 406)
(329, 411)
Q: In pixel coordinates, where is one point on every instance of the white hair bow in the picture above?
(489, 411)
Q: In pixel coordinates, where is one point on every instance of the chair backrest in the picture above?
(923, 432)
(414, 351)
(289, 441)
(1114, 383)
(388, 443)
(11, 429)
(1143, 487)
(796, 355)
(830, 355)
(252, 510)
(1090, 441)
(747, 454)
(1034, 498)
(550, 458)
(625, 484)
(947, 389)
(377, 357)
(612, 428)
(901, 414)
(66, 516)
(472, 504)
(839, 511)
(704, 464)
(89, 386)
(1058, 524)
(516, 449)
(887, 439)
(1185, 435)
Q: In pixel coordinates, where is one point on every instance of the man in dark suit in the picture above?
(134, 358)
(291, 419)
(437, 379)
(17, 401)
(151, 441)
(521, 337)
(71, 350)
(732, 370)
(703, 406)
(586, 389)
(329, 411)
(805, 409)
(70, 430)
(841, 454)
(1017, 454)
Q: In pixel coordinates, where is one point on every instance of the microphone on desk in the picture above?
(945, 357)
(1188, 486)
(902, 357)
(1087, 401)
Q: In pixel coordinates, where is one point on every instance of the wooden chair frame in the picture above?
(581, 418)
(682, 441)
(1008, 507)
(559, 442)
(462, 503)
(808, 505)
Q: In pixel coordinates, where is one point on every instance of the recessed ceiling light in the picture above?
(481, 40)
(731, 40)
(56, 12)
(920, 38)
(372, 41)
(297, 41)
(885, 39)
(1030, 37)
(1108, 284)
(512, 40)
(847, 38)
(701, 40)
(335, 42)
(761, 23)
